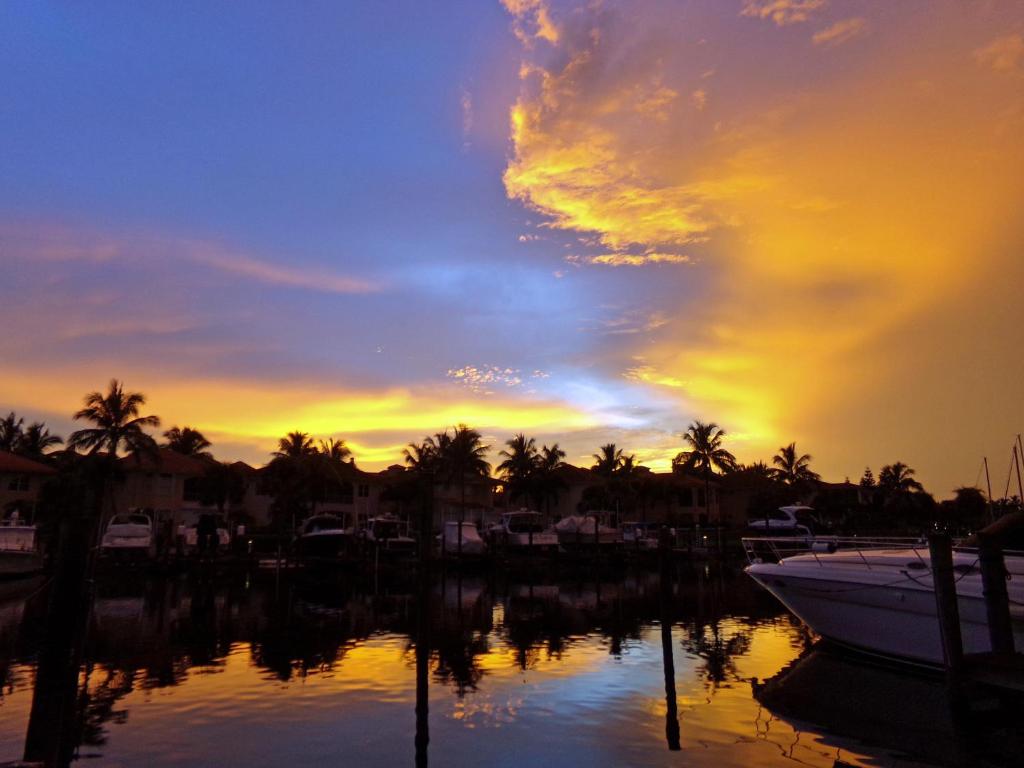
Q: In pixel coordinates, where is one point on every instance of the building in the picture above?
(21, 480)
(166, 485)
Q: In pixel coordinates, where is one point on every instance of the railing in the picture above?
(775, 549)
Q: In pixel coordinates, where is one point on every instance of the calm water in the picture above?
(249, 671)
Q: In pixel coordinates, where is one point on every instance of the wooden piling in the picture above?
(997, 601)
(940, 549)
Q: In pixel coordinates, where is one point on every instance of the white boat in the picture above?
(389, 535)
(522, 531)
(792, 520)
(19, 551)
(584, 531)
(190, 536)
(472, 544)
(324, 536)
(879, 597)
(640, 536)
(129, 535)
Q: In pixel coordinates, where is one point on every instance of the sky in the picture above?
(588, 220)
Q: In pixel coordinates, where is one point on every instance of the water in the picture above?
(246, 670)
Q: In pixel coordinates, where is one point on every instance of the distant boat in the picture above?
(472, 544)
(19, 551)
(792, 520)
(640, 536)
(389, 536)
(129, 536)
(324, 536)
(523, 531)
(879, 596)
(580, 531)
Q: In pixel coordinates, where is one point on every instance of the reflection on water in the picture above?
(488, 669)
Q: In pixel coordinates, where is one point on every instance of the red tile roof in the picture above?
(13, 464)
(168, 461)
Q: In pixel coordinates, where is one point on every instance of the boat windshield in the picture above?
(324, 524)
(130, 520)
(385, 530)
(524, 524)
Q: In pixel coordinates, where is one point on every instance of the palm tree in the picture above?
(547, 482)
(118, 423)
(705, 455)
(222, 484)
(462, 455)
(793, 469)
(608, 460)
(188, 441)
(295, 445)
(335, 450)
(898, 478)
(520, 464)
(10, 432)
(35, 440)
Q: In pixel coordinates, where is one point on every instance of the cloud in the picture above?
(277, 274)
(824, 213)
(44, 242)
(840, 32)
(1005, 54)
(782, 12)
(629, 259)
(532, 20)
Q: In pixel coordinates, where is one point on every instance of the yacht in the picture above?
(792, 520)
(389, 535)
(324, 536)
(472, 544)
(878, 596)
(129, 536)
(577, 531)
(522, 531)
(19, 550)
(640, 536)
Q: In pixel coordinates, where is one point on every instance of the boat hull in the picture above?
(892, 616)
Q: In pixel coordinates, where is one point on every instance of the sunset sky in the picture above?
(589, 220)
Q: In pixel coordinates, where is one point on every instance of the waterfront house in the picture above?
(165, 485)
(20, 482)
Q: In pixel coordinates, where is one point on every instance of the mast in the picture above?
(988, 482)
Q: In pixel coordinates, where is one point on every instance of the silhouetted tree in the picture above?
(607, 460)
(705, 454)
(35, 440)
(188, 442)
(791, 468)
(520, 465)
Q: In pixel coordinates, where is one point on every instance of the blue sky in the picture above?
(594, 222)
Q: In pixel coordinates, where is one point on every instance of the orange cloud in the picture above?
(827, 215)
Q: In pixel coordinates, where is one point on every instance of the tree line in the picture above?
(303, 473)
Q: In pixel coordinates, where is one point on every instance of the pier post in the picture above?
(940, 549)
(668, 662)
(997, 601)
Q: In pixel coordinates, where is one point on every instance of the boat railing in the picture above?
(775, 549)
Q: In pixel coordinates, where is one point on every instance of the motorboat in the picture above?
(792, 520)
(577, 531)
(522, 531)
(388, 535)
(324, 536)
(472, 544)
(878, 595)
(129, 535)
(19, 551)
(190, 536)
(640, 536)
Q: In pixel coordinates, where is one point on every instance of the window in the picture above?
(686, 497)
(701, 498)
(164, 484)
(18, 483)
(364, 491)
(192, 489)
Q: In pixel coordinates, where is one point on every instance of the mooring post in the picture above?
(940, 549)
(997, 601)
